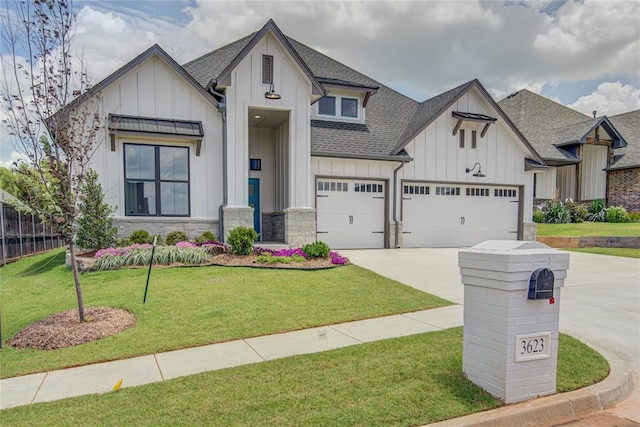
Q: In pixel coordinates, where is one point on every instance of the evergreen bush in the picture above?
(206, 237)
(617, 214)
(317, 249)
(96, 226)
(139, 237)
(538, 217)
(174, 237)
(240, 240)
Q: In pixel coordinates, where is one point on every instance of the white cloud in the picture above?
(609, 99)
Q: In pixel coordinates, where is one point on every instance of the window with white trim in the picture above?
(339, 107)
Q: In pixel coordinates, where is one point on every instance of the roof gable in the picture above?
(224, 78)
(628, 125)
(431, 109)
(549, 125)
(156, 50)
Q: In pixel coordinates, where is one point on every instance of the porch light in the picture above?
(271, 94)
(479, 174)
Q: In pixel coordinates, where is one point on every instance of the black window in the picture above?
(461, 138)
(349, 107)
(156, 180)
(474, 136)
(327, 106)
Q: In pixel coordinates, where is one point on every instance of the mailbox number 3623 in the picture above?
(532, 346)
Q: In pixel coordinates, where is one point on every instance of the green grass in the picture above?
(398, 382)
(189, 306)
(623, 252)
(589, 229)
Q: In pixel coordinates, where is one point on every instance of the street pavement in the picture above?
(600, 300)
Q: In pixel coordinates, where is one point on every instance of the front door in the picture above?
(254, 202)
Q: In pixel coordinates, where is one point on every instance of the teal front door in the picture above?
(254, 202)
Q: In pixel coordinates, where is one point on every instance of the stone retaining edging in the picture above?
(590, 241)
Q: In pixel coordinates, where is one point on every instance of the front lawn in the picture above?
(189, 306)
(589, 229)
(404, 381)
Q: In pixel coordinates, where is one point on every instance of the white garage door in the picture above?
(452, 215)
(350, 213)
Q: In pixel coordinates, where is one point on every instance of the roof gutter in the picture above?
(222, 107)
(395, 203)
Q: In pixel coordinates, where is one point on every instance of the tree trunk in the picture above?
(76, 280)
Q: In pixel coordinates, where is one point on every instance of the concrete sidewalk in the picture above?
(101, 377)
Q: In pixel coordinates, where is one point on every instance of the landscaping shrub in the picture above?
(634, 216)
(176, 236)
(317, 249)
(578, 211)
(140, 237)
(240, 240)
(557, 213)
(96, 226)
(114, 258)
(538, 216)
(206, 237)
(597, 211)
(617, 214)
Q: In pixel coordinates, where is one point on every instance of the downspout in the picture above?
(222, 107)
(395, 203)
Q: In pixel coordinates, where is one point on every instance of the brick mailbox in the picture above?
(511, 316)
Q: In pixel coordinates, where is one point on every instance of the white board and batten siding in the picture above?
(247, 91)
(594, 177)
(546, 184)
(460, 209)
(154, 90)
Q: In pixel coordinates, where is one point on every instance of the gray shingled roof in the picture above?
(209, 66)
(628, 125)
(428, 111)
(392, 119)
(387, 110)
(545, 123)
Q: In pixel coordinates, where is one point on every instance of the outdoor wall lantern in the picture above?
(271, 94)
(479, 174)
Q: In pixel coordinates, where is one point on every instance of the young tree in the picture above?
(96, 227)
(52, 112)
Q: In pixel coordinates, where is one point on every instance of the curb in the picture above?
(557, 409)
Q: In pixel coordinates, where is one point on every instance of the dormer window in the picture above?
(327, 106)
(339, 107)
(349, 107)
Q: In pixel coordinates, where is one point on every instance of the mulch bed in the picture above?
(64, 329)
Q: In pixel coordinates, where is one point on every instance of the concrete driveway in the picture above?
(600, 299)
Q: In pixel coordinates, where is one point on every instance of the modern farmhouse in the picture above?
(268, 133)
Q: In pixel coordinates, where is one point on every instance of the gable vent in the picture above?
(267, 69)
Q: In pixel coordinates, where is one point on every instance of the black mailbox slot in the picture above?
(541, 284)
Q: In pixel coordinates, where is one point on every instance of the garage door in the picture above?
(448, 215)
(350, 213)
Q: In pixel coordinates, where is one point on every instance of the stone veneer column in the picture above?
(236, 216)
(510, 346)
(299, 226)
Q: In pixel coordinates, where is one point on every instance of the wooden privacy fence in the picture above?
(24, 234)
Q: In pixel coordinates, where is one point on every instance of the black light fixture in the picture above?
(271, 93)
(479, 174)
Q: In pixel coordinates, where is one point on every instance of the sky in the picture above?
(583, 54)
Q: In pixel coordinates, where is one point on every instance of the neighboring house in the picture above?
(624, 173)
(268, 133)
(579, 150)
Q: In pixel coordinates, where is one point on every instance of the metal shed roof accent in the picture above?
(150, 126)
